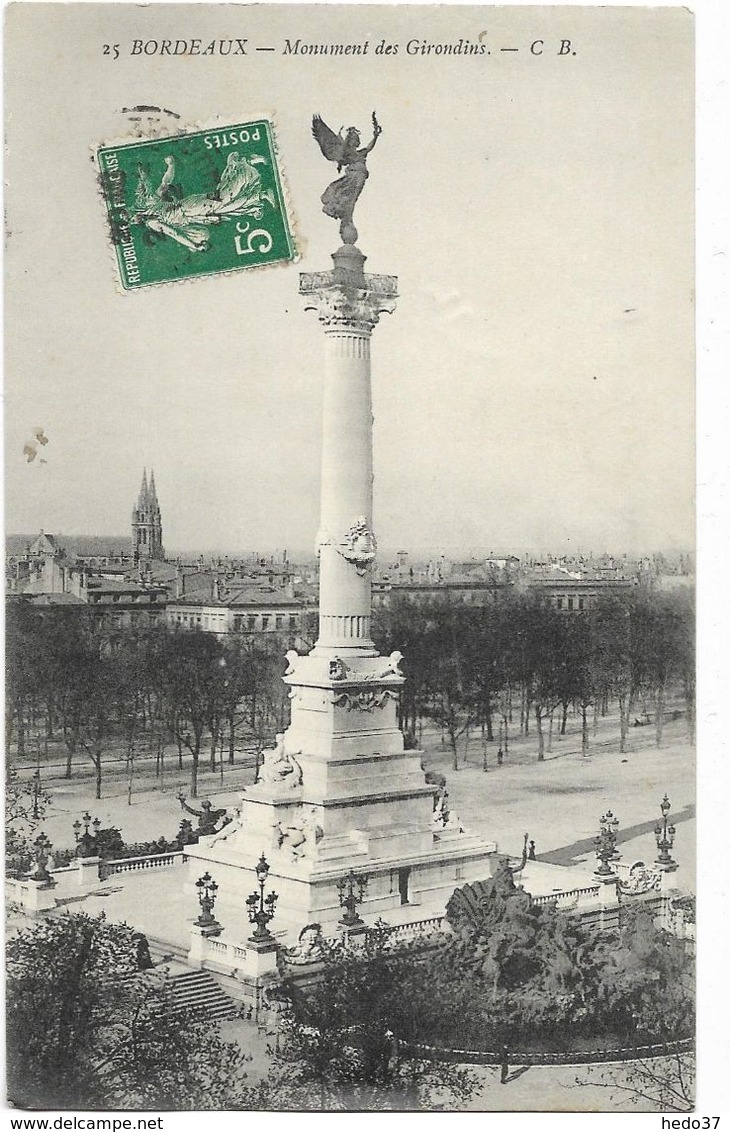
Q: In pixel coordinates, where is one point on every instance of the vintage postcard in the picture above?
(350, 560)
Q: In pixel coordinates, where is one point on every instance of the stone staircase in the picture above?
(200, 993)
(166, 953)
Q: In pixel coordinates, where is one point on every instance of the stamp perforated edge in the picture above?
(217, 123)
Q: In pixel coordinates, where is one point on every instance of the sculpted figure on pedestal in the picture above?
(393, 666)
(279, 767)
(641, 879)
(308, 945)
(299, 836)
(207, 817)
(233, 826)
(339, 198)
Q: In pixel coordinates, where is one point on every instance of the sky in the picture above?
(533, 389)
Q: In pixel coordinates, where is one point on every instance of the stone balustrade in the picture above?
(231, 955)
(136, 864)
(401, 932)
(571, 898)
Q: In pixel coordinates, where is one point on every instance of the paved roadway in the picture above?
(559, 801)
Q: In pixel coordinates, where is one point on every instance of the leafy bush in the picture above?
(86, 1028)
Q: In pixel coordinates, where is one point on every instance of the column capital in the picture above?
(352, 303)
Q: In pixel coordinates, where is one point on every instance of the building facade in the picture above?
(257, 613)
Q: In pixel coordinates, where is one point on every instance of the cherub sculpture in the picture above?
(339, 198)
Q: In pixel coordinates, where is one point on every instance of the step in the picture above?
(197, 990)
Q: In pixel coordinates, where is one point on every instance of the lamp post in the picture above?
(86, 843)
(350, 898)
(261, 909)
(42, 854)
(664, 833)
(207, 892)
(605, 844)
(36, 792)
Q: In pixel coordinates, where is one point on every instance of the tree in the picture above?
(410, 627)
(25, 806)
(686, 663)
(615, 670)
(664, 650)
(67, 671)
(450, 706)
(21, 666)
(236, 678)
(665, 1083)
(647, 982)
(489, 661)
(87, 1028)
(579, 683)
(454, 699)
(539, 660)
(106, 690)
(338, 1045)
(190, 677)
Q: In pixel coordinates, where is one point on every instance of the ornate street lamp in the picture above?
(612, 824)
(350, 898)
(207, 892)
(261, 908)
(42, 856)
(86, 843)
(605, 844)
(36, 793)
(664, 833)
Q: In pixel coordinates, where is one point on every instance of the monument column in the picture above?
(349, 304)
(340, 795)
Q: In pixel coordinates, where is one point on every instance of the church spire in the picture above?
(152, 490)
(147, 522)
(143, 491)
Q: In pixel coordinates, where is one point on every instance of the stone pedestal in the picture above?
(669, 883)
(340, 792)
(608, 898)
(38, 896)
(88, 870)
(198, 947)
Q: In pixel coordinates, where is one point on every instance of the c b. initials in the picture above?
(537, 47)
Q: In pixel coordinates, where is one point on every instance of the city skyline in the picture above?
(525, 391)
(417, 552)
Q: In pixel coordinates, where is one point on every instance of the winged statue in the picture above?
(339, 198)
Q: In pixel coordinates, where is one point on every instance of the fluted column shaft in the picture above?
(349, 304)
(347, 491)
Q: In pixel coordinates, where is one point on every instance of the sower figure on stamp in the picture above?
(339, 198)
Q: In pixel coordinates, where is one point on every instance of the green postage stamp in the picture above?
(195, 204)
